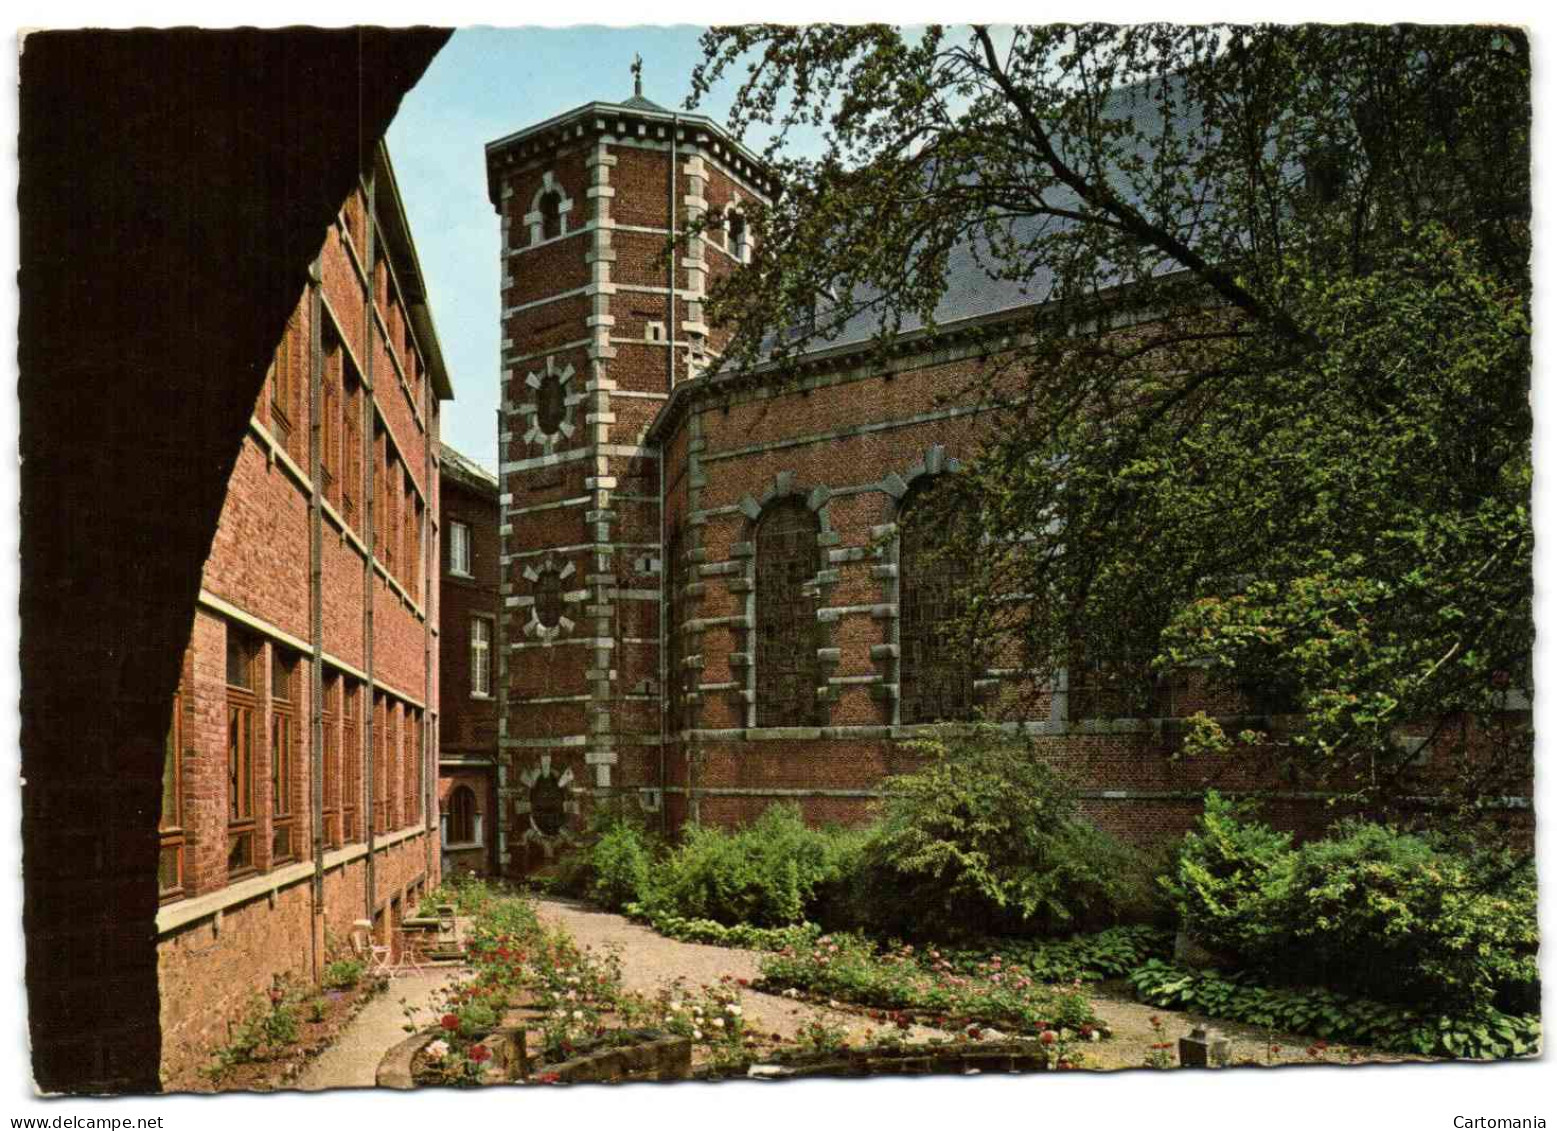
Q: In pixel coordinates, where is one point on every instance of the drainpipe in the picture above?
(666, 570)
(370, 510)
(316, 601)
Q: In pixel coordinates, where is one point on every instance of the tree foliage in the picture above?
(1268, 410)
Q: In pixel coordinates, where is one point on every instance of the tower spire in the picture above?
(637, 70)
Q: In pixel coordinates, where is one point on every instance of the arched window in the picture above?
(935, 673)
(738, 242)
(462, 815)
(677, 684)
(551, 216)
(787, 670)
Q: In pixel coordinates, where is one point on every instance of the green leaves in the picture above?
(1268, 411)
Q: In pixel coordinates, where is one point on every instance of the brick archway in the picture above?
(174, 187)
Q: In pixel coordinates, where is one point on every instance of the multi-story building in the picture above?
(718, 592)
(468, 770)
(298, 786)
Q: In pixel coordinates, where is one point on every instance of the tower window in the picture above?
(738, 241)
(551, 216)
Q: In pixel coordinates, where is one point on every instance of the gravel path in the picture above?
(352, 1062)
(650, 960)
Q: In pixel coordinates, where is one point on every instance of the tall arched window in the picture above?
(551, 216)
(935, 673)
(462, 815)
(674, 570)
(787, 670)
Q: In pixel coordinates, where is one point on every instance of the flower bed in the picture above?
(712, 933)
(895, 1059)
(927, 986)
(283, 1031)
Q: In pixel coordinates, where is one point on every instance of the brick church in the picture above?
(715, 594)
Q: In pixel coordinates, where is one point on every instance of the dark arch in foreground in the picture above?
(174, 186)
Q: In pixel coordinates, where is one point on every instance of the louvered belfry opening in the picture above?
(935, 673)
(786, 661)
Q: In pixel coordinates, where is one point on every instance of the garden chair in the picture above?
(376, 955)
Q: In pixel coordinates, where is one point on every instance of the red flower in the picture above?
(1043, 1026)
(975, 1032)
(1154, 1019)
(548, 1078)
(450, 1022)
(1048, 1037)
(743, 981)
(478, 1053)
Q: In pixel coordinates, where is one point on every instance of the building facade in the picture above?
(299, 777)
(718, 592)
(468, 769)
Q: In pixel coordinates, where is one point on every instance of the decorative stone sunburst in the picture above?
(546, 801)
(551, 408)
(549, 600)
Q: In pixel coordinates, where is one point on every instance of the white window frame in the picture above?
(481, 657)
(459, 540)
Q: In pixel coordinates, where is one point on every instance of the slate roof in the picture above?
(971, 291)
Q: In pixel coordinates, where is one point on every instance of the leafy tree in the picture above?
(985, 838)
(1268, 410)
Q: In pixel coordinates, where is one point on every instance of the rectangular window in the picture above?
(170, 862)
(351, 456)
(480, 657)
(459, 549)
(381, 766)
(330, 715)
(351, 765)
(284, 384)
(411, 783)
(243, 650)
(330, 421)
(283, 757)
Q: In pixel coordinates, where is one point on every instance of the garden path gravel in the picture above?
(651, 960)
(352, 1061)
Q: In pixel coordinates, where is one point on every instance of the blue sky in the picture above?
(485, 83)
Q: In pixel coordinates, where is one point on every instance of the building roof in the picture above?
(637, 116)
(466, 471)
(389, 208)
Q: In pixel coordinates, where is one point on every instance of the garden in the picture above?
(982, 905)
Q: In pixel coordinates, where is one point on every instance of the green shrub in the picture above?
(986, 839)
(619, 862)
(766, 874)
(1230, 874)
(1403, 917)
(1369, 909)
(343, 975)
(1477, 1033)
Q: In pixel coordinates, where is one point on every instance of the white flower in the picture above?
(792, 992)
(437, 1050)
(1094, 1035)
(578, 1015)
(675, 1007)
(697, 1034)
(718, 1022)
(733, 1010)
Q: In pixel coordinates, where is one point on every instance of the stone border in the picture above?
(908, 1060)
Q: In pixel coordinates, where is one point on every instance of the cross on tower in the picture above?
(637, 70)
